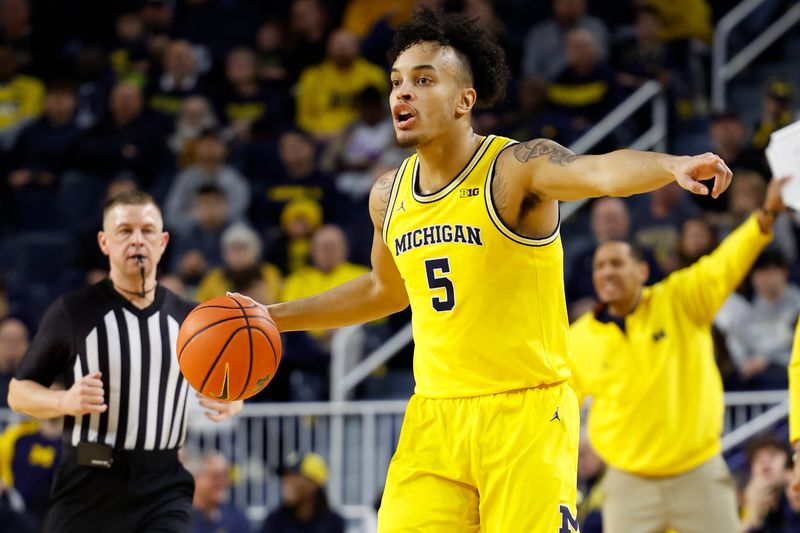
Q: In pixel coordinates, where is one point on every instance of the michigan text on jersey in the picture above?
(437, 234)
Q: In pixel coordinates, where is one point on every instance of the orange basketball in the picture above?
(228, 348)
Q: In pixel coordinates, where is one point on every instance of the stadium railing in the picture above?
(724, 69)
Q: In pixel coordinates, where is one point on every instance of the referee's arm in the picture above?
(29, 391)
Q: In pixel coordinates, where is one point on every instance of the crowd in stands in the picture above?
(261, 126)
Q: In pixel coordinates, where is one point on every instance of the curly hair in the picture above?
(483, 59)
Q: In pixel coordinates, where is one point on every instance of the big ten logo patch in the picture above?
(569, 524)
(469, 193)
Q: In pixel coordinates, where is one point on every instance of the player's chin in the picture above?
(406, 139)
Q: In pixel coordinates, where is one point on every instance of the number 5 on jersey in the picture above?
(435, 269)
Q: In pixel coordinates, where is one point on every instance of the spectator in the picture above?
(544, 47)
(729, 141)
(658, 223)
(211, 510)
(94, 79)
(127, 139)
(21, 96)
(763, 505)
(14, 342)
(178, 78)
(16, 31)
(361, 15)
(698, 237)
(329, 266)
(646, 57)
(157, 16)
(304, 504)
(683, 19)
(31, 451)
(195, 117)
(297, 177)
(327, 92)
(534, 117)
(241, 257)
(609, 220)
(307, 37)
(353, 154)
(586, 89)
(270, 50)
(760, 340)
(291, 250)
(776, 110)
(197, 247)
(209, 169)
(129, 57)
(39, 153)
(245, 99)
(308, 353)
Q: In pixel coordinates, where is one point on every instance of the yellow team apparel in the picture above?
(490, 437)
(794, 389)
(657, 399)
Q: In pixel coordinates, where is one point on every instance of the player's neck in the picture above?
(442, 159)
(130, 287)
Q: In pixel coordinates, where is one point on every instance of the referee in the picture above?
(112, 347)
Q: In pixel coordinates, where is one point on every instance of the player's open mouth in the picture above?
(404, 116)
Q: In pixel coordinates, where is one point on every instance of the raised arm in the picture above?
(551, 172)
(374, 295)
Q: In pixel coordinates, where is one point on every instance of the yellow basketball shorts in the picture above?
(501, 463)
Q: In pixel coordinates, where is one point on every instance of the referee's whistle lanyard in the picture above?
(143, 292)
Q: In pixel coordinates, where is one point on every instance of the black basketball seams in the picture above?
(219, 356)
(250, 341)
(201, 330)
(199, 307)
(274, 351)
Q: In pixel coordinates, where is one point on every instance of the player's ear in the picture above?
(164, 240)
(466, 100)
(102, 241)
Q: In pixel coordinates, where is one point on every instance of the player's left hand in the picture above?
(690, 171)
(217, 410)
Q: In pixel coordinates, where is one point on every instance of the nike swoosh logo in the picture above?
(223, 395)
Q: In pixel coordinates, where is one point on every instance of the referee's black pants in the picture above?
(143, 491)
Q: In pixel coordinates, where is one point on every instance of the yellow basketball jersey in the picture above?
(488, 306)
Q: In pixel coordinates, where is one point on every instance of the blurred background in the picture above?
(260, 127)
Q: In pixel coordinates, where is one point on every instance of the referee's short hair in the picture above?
(134, 197)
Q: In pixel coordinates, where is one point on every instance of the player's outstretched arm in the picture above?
(374, 295)
(85, 396)
(552, 172)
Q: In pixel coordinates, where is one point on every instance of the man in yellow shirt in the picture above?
(326, 95)
(645, 356)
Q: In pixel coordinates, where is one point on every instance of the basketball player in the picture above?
(467, 232)
(112, 346)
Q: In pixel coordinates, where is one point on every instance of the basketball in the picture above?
(228, 348)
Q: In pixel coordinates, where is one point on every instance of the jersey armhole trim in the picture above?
(387, 217)
(498, 222)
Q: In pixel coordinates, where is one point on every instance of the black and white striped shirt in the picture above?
(97, 329)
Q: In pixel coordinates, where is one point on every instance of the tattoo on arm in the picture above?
(557, 154)
(499, 195)
(379, 198)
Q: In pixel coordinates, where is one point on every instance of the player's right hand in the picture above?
(263, 307)
(84, 397)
